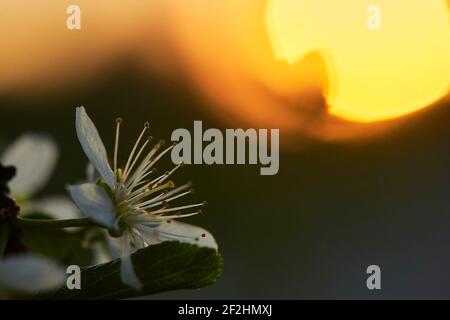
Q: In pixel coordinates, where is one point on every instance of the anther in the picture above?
(203, 235)
(204, 203)
(119, 120)
(170, 184)
(146, 125)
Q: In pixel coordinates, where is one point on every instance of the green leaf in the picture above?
(163, 267)
(5, 231)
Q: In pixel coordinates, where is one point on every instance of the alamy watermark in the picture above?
(374, 280)
(73, 281)
(236, 146)
(73, 21)
(374, 17)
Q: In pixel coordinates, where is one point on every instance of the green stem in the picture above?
(48, 223)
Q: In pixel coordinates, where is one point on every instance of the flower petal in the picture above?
(30, 273)
(57, 207)
(91, 173)
(179, 231)
(113, 246)
(127, 273)
(100, 253)
(93, 146)
(94, 202)
(35, 157)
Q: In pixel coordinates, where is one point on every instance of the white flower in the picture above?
(35, 157)
(133, 206)
(29, 273)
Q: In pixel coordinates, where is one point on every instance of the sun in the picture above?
(398, 67)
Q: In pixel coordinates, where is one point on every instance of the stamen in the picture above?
(116, 145)
(136, 177)
(154, 181)
(163, 211)
(167, 185)
(159, 156)
(142, 179)
(167, 200)
(178, 216)
(168, 194)
(156, 198)
(126, 173)
(144, 182)
(147, 186)
(168, 174)
(146, 126)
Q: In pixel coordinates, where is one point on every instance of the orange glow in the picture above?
(224, 51)
(373, 74)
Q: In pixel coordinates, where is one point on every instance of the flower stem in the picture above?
(49, 223)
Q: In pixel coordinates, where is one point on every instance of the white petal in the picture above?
(96, 240)
(114, 246)
(93, 146)
(57, 207)
(30, 273)
(94, 202)
(91, 173)
(106, 249)
(182, 232)
(35, 157)
(127, 272)
(101, 254)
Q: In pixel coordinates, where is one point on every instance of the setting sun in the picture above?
(390, 70)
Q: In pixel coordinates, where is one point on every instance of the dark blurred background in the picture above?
(308, 232)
